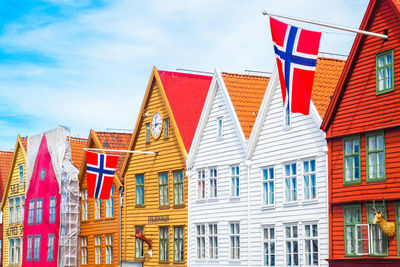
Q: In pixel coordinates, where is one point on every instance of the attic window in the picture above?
(42, 174)
(385, 72)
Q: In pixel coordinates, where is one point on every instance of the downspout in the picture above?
(248, 164)
(188, 175)
(121, 191)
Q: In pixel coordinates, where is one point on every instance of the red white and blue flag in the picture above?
(100, 172)
(296, 52)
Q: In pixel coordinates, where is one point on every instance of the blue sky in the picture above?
(85, 64)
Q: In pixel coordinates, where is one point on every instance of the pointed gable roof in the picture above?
(354, 53)
(77, 145)
(186, 94)
(5, 165)
(246, 93)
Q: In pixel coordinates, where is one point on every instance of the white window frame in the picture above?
(139, 243)
(109, 249)
(235, 181)
(220, 128)
(97, 249)
(15, 251)
(213, 241)
(97, 208)
(293, 190)
(110, 203)
(292, 239)
(84, 250)
(200, 241)
(234, 241)
(287, 124)
(362, 225)
(85, 205)
(311, 238)
(21, 177)
(213, 182)
(268, 241)
(309, 175)
(266, 183)
(11, 210)
(201, 184)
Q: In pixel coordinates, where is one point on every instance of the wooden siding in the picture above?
(169, 159)
(14, 190)
(359, 102)
(101, 227)
(219, 154)
(276, 146)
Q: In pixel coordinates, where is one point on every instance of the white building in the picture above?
(218, 173)
(287, 154)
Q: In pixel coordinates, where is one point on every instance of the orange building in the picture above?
(100, 219)
(155, 189)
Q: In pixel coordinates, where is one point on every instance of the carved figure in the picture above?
(141, 236)
(388, 228)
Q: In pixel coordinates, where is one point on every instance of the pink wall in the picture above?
(43, 189)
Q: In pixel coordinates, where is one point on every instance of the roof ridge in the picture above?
(184, 74)
(104, 132)
(332, 59)
(246, 75)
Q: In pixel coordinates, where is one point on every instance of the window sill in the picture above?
(269, 207)
(163, 207)
(234, 262)
(214, 199)
(351, 182)
(310, 201)
(234, 199)
(377, 180)
(140, 206)
(179, 206)
(384, 91)
(291, 204)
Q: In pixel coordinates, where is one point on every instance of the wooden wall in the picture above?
(169, 159)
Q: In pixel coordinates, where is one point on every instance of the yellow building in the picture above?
(155, 185)
(12, 205)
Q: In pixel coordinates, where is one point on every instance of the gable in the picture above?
(355, 99)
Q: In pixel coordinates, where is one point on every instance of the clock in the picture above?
(156, 125)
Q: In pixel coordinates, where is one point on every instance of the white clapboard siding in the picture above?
(273, 146)
(220, 154)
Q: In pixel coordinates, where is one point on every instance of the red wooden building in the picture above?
(363, 133)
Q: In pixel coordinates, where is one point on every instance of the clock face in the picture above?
(156, 125)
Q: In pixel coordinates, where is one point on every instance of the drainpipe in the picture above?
(188, 176)
(248, 164)
(121, 191)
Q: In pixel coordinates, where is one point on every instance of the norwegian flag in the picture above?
(100, 174)
(296, 52)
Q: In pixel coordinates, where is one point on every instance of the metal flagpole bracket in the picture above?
(120, 151)
(265, 13)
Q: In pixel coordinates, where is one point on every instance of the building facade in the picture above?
(362, 126)
(155, 185)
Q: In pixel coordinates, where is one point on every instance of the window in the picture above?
(85, 205)
(52, 210)
(147, 132)
(14, 248)
(290, 182)
(178, 244)
(351, 160)
(310, 182)
(213, 183)
(375, 157)
(109, 249)
(17, 210)
(50, 248)
(378, 243)
(178, 188)
(36, 249)
(352, 217)
(287, 117)
(11, 210)
(201, 184)
(39, 211)
(23, 208)
(311, 247)
(97, 249)
(292, 245)
(163, 185)
(269, 245)
(110, 204)
(235, 172)
(29, 248)
(84, 250)
(268, 186)
(213, 241)
(220, 129)
(201, 241)
(21, 173)
(163, 244)
(384, 72)
(139, 189)
(139, 244)
(234, 235)
(97, 208)
(166, 128)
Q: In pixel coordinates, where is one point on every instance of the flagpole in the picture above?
(265, 13)
(122, 151)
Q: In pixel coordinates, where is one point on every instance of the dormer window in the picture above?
(220, 130)
(384, 72)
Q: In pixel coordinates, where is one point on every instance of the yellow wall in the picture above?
(14, 189)
(170, 158)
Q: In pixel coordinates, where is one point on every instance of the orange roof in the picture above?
(246, 93)
(112, 140)
(326, 77)
(77, 145)
(24, 141)
(5, 164)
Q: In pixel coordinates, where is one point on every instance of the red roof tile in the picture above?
(246, 93)
(119, 141)
(24, 141)
(186, 95)
(5, 164)
(326, 77)
(77, 145)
